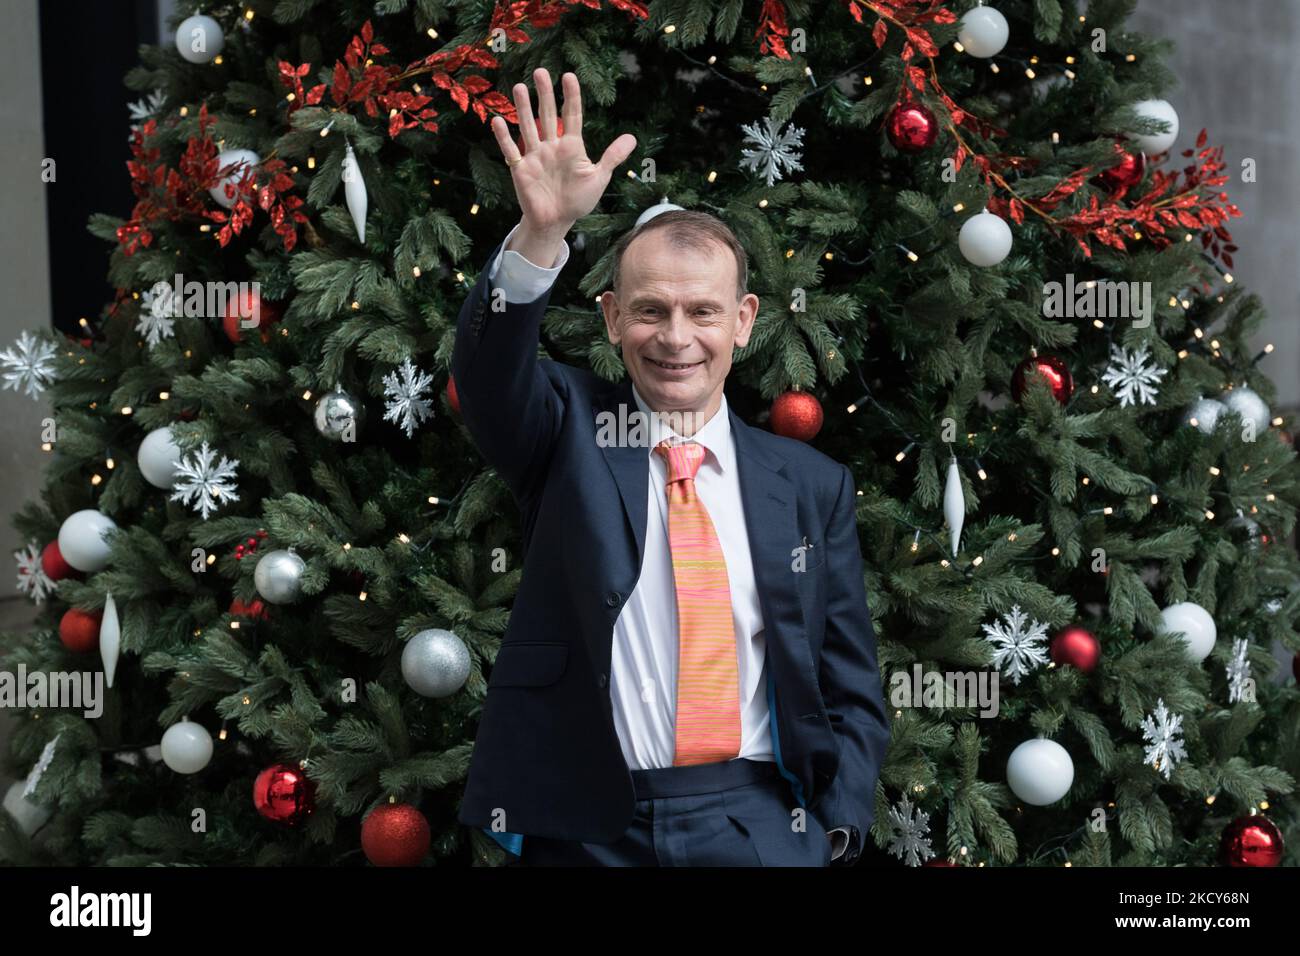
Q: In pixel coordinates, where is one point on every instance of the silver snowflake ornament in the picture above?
(202, 485)
(404, 390)
(1019, 642)
(155, 322)
(772, 149)
(1163, 733)
(1131, 378)
(32, 579)
(909, 833)
(1238, 670)
(29, 364)
(143, 109)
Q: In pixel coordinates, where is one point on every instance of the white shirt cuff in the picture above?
(839, 842)
(520, 279)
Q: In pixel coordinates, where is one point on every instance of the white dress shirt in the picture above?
(643, 668)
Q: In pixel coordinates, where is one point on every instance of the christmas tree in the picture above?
(984, 286)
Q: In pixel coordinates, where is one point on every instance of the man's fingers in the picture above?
(572, 104)
(617, 152)
(545, 102)
(501, 129)
(527, 122)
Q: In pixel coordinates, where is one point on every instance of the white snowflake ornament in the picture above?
(29, 364)
(909, 838)
(772, 149)
(32, 579)
(1238, 669)
(1133, 381)
(203, 486)
(155, 322)
(1163, 733)
(405, 389)
(1019, 642)
(144, 109)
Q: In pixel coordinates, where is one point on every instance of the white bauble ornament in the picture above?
(1040, 771)
(186, 747)
(985, 239)
(354, 191)
(158, 457)
(110, 638)
(983, 32)
(1249, 406)
(1153, 144)
(655, 210)
(29, 815)
(1204, 414)
(81, 539)
(199, 39)
(954, 505)
(232, 166)
(435, 663)
(1195, 625)
(339, 415)
(278, 576)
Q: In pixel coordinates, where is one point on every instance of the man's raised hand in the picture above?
(555, 183)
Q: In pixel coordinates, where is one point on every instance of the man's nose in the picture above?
(676, 332)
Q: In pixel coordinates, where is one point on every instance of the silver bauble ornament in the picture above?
(1040, 771)
(158, 457)
(82, 539)
(339, 416)
(1153, 144)
(232, 166)
(186, 747)
(1204, 413)
(1249, 406)
(199, 39)
(435, 663)
(984, 239)
(278, 576)
(983, 32)
(656, 210)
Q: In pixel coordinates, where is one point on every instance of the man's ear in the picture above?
(609, 306)
(745, 325)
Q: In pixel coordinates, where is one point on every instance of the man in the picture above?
(689, 676)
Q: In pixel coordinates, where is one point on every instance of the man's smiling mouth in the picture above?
(673, 366)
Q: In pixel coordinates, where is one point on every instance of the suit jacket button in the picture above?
(613, 599)
(604, 679)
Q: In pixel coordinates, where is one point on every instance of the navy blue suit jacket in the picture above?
(547, 760)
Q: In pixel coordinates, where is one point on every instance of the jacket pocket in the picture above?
(529, 664)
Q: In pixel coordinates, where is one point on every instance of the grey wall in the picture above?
(1238, 72)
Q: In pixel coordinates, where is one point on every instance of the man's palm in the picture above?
(556, 183)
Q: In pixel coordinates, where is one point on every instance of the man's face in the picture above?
(677, 321)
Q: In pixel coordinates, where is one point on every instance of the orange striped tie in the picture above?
(708, 688)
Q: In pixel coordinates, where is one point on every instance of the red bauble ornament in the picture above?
(1076, 647)
(284, 794)
(796, 415)
(1251, 841)
(250, 309)
(254, 608)
(395, 834)
(938, 862)
(52, 563)
(911, 127)
(1127, 172)
(79, 630)
(1051, 368)
(452, 398)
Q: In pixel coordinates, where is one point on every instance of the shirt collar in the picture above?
(714, 435)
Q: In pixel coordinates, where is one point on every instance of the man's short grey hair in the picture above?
(689, 229)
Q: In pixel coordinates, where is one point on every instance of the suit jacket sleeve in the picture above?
(850, 677)
(507, 401)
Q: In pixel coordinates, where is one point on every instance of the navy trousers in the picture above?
(735, 813)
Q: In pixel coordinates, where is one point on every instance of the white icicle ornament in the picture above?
(354, 191)
(954, 505)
